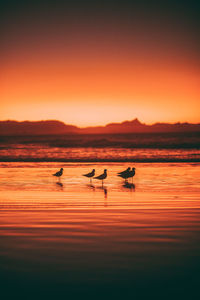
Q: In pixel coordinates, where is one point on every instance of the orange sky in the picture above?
(94, 72)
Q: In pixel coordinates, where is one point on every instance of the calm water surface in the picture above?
(74, 237)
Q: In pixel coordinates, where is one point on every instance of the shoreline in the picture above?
(39, 160)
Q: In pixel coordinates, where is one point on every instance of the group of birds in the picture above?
(126, 174)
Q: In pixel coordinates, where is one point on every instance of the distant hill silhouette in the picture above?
(35, 128)
(51, 127)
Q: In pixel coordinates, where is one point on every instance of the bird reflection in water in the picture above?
(130, 186)
(105, 196)
(91, 186)
(102, 188)
(105, 191)
(60, 184)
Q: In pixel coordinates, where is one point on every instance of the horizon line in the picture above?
(112, 122)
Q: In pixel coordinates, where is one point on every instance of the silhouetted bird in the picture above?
(127, 174)
(59, 173)
(90, 175)
(131, 173)
(124, 172)
(102, 176)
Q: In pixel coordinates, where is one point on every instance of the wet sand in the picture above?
(70, 237)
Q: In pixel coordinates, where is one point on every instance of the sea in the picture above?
(155, 147)
(72, 238)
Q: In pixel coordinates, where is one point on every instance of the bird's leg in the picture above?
(90, 180)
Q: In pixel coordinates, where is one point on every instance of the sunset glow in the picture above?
(99, 149)
(90, 71)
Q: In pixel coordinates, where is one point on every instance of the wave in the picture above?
(102, 148)
(103, 160)
(131, 141)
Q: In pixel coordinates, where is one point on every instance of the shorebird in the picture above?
(90, 175)
(102, 176)
(59, 173)
(127, 174)
(124, 172)
(131, 173)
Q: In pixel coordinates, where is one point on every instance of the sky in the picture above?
(92, 63)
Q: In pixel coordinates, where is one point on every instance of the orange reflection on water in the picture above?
(84, 232)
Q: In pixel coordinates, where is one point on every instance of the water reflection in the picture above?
(79, 235)
(100, 188)
(105, 196)
(128, 185)
(91, 186)
(105, 192)
(60, 184)
(103, 188)
(34, 152)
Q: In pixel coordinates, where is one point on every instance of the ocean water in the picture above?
(70, 238)
(42, 153)
(166, 147)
